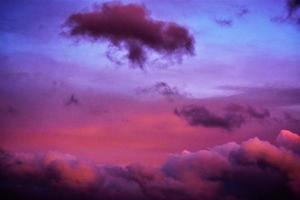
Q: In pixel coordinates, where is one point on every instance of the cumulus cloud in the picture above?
(254, 169)
(289, 140)
(131, 27)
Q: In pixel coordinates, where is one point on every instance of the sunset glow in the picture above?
(149, 99)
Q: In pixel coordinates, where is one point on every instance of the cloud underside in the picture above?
(131, 27)
(254, 169)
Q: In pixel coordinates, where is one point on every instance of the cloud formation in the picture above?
(163, 89)
(131, 27)
(72, 100)
(289, 140)
(293, 5)
(254, 169)
(280, 96)
(243, 11)
(201, 116)
(235, 116)
(224, 22)
(249, 111)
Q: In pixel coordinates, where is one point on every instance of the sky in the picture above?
(105, 94)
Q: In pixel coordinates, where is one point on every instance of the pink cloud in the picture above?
(289, 140)
(255, 169)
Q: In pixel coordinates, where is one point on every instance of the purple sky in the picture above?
(244, 52)
(150, 99)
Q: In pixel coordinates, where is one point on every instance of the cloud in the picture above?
(9, 109)
(289, 140)
(201, 116)
(254, 169)
(293, 5)
(163, 89)
(131, 27)
(249, 111)
(279, 96)
(242, 12)
(235, 115)
(224, 22)
(72, 100)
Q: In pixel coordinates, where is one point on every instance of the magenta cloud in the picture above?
(254, 169)
(131, 27)
(289, 140)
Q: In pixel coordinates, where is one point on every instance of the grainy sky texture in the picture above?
(150, 99)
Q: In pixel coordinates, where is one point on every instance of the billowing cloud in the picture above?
(201, 116)
(131, 27)
(254, 169)
(289, 140)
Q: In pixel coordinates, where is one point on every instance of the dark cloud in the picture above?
(254, 169)
(201, 116)
(292, 15)
(131, 27)
(243, 11)
(161, 88)
(232, 116)
(72, 100)
(249, 111)
(224, 22)
(293, 5)
(259, 114)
